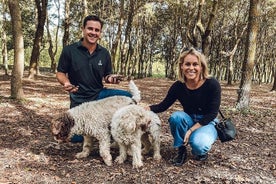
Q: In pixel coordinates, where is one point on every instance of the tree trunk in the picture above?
(66, 24)
(4, 51)
(206, 38)
(116, 42)
(51, 46)
(230, 56)
(85, 8)
(52, 50)
(274, 83)
(42, 11)
(248, 64)
(141, 63)
(83, 14)
(18, 66)
(204, 32)
(4, 40)
(126, 46)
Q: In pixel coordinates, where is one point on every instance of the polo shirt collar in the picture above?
(79, 44)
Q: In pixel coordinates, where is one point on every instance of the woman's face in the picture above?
(191, 67)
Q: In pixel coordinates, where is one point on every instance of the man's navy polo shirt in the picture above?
(85, 70)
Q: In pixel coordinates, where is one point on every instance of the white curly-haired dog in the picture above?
(92, 119)
(131, 127)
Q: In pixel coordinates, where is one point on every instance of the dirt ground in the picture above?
(29, 154)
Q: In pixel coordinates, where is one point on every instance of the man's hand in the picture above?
(64, 81)
(114, 78)
(70, 88)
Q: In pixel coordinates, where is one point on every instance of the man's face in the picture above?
(92, 32)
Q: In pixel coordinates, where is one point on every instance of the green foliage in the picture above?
(158, 70)
(159, 30)
(29, 21)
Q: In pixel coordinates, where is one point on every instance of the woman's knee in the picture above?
(178, 116)
(201, 144)
(175, 120)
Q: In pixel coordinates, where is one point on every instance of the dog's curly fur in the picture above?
(131, 127)
(92, 119)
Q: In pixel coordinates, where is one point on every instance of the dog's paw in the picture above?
(107, 158)
(137, 165)
(119, 160)
(129, 153)
(157, 157)
(145, 151)
(114, 145)
(108, 162)
(82, 154)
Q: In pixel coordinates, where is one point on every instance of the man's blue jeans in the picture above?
(112, 92)
(103, 94)
(200, 140)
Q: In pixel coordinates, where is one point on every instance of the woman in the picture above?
(200, 95)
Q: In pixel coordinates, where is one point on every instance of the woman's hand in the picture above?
(187, 137)
(147, 108)
(190, 131)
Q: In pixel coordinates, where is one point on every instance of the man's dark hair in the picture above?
(94, 18)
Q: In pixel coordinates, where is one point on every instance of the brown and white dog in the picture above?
(92, 119)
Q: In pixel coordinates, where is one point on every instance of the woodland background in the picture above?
(144, 39)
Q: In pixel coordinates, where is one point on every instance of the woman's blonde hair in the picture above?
(201, 58)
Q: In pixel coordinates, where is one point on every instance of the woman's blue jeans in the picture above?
(103, 94)
(200, 140)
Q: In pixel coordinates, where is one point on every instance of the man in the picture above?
(83, 66)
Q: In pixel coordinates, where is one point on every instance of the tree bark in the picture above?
(66, 24)
(4, 41)
(206, 38)
(52, 50)
(248, 64)
(204, 33)
(51, 46)
(126, 45)
(230, 56)
(116, 42)
(85, 8)
(274, 83)
(18, 66)
(42, 11)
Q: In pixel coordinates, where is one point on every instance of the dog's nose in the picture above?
(58, 140)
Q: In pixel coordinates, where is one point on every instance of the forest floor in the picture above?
(29, 154)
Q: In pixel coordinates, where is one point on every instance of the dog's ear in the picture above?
(55, 125)
(143, 120)
(62, 125)
(130, 125)
(144, 126)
